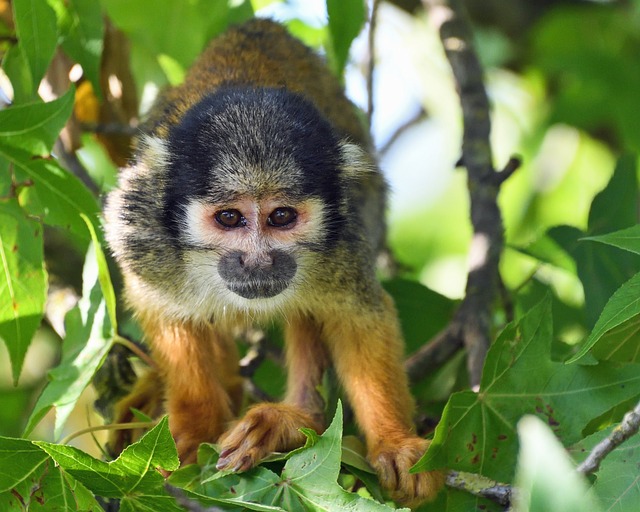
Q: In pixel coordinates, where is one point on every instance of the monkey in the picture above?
(254, 196)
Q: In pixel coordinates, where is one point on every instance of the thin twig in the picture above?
(628, 427)
(112, 426)
(130, 345)
(419, 116)
(372, 59)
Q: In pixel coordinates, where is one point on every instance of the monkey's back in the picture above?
(260, 53)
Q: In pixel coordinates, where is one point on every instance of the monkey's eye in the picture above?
(281, 217)
(230, 218)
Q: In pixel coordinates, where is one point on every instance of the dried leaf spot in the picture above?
(502, 437)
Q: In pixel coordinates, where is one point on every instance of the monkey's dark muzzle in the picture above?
(261, 279)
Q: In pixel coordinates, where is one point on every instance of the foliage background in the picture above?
(562, 77)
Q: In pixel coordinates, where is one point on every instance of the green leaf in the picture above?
(36, 484)
(477, 432)
(308, 482)
(346, 19)
(19, 459)
(603, 269)
(310, 476)
(23, 283)
(84, 40)
(34, 127)
(546, 478)
(616, 207)
(15, 65)
(617, 484)
(166, 35)
(55, 193)
(132, 476)
(87, 342)
(37, 31)
(627, 239)
(615, 335)
(104, 277)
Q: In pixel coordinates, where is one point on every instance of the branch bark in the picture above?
(472, 321)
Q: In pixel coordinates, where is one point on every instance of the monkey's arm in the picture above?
(367, 354)
(268, 428)
(203, 389)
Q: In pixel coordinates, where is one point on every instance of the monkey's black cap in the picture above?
(253, 140)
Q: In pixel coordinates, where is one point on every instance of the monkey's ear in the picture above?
(153, 153)
(357, 163)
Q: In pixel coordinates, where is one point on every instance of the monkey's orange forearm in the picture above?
(203, 388)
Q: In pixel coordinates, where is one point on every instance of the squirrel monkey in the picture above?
(254, 196)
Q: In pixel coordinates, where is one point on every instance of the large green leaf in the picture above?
(132, 477)
(617, 484)
(34, 127)
(37, 31)
(346, 19)
(23, 281)
(477, 432)
(616, 335)
(88, 340)
(55, 194)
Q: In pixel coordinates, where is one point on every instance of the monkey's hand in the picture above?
(392, 460)
(266, 428)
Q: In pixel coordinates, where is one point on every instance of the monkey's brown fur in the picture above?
(184, 268)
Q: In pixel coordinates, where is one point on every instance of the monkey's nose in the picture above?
(255, 261)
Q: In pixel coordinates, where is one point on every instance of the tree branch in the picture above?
(628, 427)
(481, 486)
(472, 320)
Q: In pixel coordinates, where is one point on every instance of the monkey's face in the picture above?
(254, 195)
(254, 248)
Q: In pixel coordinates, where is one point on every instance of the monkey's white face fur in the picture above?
(268, 264)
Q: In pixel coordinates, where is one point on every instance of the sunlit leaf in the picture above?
(34, 127)
(87, 342)
(23, 282)
(54, 193)
(37, 31)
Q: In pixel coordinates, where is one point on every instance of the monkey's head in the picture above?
(241, 204)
